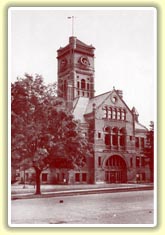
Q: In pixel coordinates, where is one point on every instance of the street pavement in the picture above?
(110, 209)
(21, 192)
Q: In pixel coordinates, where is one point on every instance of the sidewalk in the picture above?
(19, 192)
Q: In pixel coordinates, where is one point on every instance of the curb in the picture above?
(80, 192)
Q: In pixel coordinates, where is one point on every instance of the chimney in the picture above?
(135, 114)
(120, 93)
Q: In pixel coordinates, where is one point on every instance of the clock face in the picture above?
(63, 63)
(84, 60)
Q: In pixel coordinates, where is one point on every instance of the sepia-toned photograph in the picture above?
(82, 120)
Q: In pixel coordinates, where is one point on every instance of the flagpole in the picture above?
(72, 18)
(72, 25)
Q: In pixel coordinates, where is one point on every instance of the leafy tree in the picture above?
(149, 150)
(43, 133)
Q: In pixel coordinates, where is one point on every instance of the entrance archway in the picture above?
(115, 170)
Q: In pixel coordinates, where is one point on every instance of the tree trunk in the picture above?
(38, 183)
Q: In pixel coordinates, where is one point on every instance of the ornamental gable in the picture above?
(113, 107)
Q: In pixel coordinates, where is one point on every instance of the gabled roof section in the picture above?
(139, 126)
(79, 107)
(97, 100)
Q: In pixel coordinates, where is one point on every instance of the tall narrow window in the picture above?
(115, 136)
(107, 136)
(131, 162)
(142, 142)
(84, 177)
(122, 137)
(78, 84)
(122, 114)
(107, 139)
(99, 135)
(83, 84)
(137, 142)
(118, 115)
(110, 113)
(114, 114)
(105, 109)
(142, 161)
(137, 161)
(77, 177)
(99, 161)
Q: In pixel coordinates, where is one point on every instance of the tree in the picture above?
(43, 133)
(149, 150)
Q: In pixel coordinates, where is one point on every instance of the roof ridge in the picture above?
(84, 44)
(141, 125)
(102, 94)
(76, 101)
(97, 97)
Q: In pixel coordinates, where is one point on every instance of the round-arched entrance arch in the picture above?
(115, 170)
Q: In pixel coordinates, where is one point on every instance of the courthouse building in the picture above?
(106, 121)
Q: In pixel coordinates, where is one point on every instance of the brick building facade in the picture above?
(106, 120)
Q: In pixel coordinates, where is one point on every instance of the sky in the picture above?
(124, 41)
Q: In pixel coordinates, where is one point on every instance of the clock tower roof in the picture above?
(77, 45)
(80, 43)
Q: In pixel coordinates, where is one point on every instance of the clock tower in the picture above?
(75, 71)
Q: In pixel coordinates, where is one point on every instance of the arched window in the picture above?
(122, 137)
(107, 136)
(118, 114)
(105, 109)
(83, 84)
(115, 136)
(114, 114)
(110, 113)
(123, 115)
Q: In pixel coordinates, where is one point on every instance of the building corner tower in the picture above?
(75, 71)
